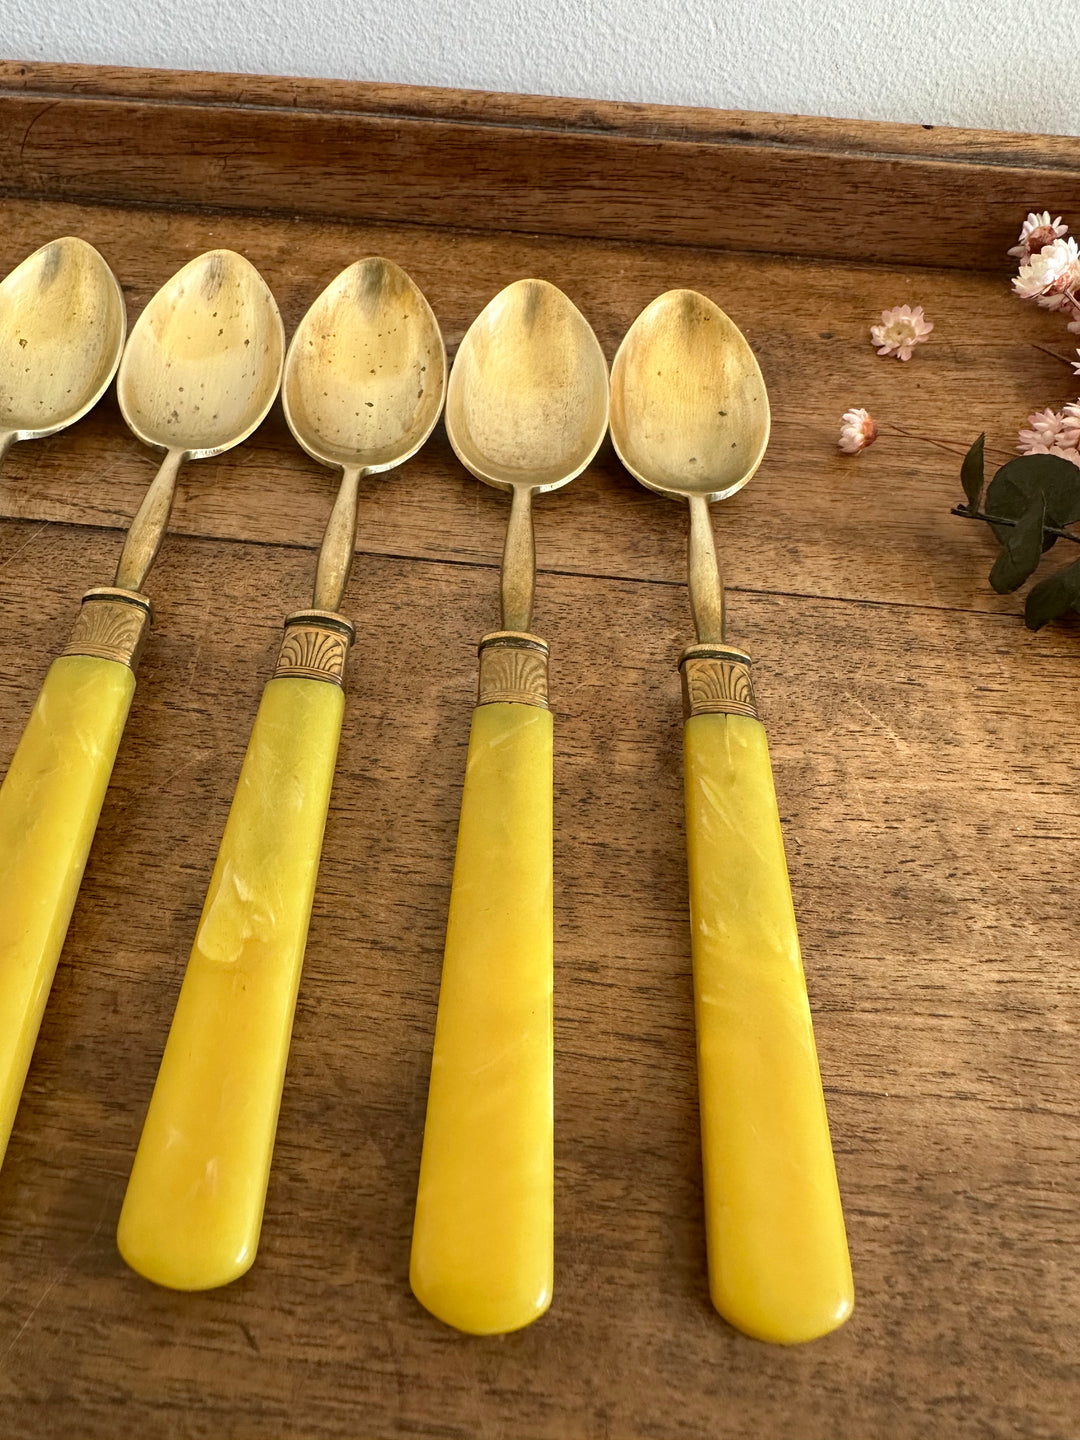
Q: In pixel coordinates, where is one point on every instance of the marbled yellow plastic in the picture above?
(193, 1210)
(483, 1238)
(778, 1256)
(49, 806)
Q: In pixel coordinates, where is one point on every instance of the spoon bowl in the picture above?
(527, 404)
(203, 364)
(365, 376)
(62, 326)
(689, 410)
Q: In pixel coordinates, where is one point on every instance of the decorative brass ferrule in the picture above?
(716, 680)
(112, 625)
(315, 646)
(514, 669)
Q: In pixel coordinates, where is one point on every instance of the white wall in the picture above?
(1005, 64)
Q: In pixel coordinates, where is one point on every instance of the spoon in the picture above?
(526, 411)
(62, 324)
(200, 370)
(690, 419)
(364, 383)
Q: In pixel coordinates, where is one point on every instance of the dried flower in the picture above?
(858, 429)
(901, 329)
(1037, 231)
(1076, 365)
(1055, 269)
(1047, 429)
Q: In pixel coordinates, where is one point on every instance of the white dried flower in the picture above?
(1037, 230)
(858, 429)
(901, 329)
(1055, 269)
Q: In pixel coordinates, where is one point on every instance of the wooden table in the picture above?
(925, 748)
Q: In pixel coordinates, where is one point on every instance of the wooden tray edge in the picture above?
(351, 151)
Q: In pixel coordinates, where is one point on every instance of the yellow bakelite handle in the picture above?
(483, 1239)
(49, 806)
(778, 1256)
(193, 1209)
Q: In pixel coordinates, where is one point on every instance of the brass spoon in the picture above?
(200, 371)
(62, 324)
(526, 411)
(690, 419)
(364, 386)
(364, 383)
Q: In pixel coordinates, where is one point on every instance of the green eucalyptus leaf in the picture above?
(971, 473)
(1022, 549)
(1015, 486)
(1053, 596)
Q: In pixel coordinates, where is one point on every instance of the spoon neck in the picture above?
(518, 580)
(339, 544)
(706, 586)
(148, 528)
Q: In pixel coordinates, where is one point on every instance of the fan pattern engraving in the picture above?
(513, 670)
(110, 628)
(713, 684)
(313, 651)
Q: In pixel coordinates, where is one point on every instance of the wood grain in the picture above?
(925, 760)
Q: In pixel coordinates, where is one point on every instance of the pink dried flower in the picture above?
(1055, 269)
(1045, 428)
(1037, 231)
(858, 429)
(901, 329)
(1069, 439)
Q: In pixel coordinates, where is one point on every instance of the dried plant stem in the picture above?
(966, 514)
(1052, 353)
(947, 445)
